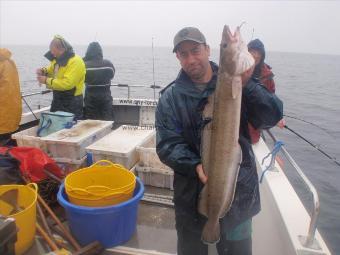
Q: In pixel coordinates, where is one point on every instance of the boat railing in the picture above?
(119, 85)
(309, 240)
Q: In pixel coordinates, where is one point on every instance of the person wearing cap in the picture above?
(99, 73)
(65, 76)
(10, 97)
(264, 73)
(179, 125)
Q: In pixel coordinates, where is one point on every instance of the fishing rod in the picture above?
(311, 123)
(37, 93)
(252, 34)
(313, 145)
(23, 98)
(153, 72)
(32, 94)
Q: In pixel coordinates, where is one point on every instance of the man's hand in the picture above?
(42, 79)
(281, 124)
(40, 72)
(201, 174)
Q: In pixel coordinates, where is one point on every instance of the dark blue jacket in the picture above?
(179, 125)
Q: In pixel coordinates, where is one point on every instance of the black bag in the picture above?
(9, 170)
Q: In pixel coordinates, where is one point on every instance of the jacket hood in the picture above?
(69, 53)
(94, 51)
(256, 44)
(5, 54)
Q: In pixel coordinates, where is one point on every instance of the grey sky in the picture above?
(297, 26)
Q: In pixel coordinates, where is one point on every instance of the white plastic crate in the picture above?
(29, 138)
(69, 165)
(71, 143)
(149, 158)
(157, 177)
(120, 145)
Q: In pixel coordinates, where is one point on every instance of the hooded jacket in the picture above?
(99, 71)
(262, 70)
(179, 125)
(67, 72)
(10, 96)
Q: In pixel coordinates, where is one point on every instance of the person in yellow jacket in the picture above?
(65, 76)
(10, 97)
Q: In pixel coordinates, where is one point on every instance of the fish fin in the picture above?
(237, 164)
(211, 232)
(203, 202)
(236, 86)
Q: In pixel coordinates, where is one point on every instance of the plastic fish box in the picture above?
(120, 145)
(71, 143)
(29, 138)
(70, 165)
(156, 177)
(149, 158)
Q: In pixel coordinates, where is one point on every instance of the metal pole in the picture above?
(153, 73)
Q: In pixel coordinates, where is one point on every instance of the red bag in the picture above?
(33, 162)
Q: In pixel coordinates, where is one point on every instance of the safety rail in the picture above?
(308, 241)
(120, 85)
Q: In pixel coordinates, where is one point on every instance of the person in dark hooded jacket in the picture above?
(99, 73)
(179, 126)
(264, 73)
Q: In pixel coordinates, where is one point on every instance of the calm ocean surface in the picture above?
(309, 86)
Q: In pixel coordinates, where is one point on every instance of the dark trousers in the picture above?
(68, 103)
(189, 241)
(98, 106)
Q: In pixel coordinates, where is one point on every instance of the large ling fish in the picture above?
(221, 152)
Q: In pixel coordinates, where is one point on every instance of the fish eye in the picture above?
(224, 45)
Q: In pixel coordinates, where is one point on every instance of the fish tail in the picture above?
(211, 232)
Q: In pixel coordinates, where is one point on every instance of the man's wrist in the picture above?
(48, 81)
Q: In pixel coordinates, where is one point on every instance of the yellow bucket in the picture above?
(25, 219)
(102, 184)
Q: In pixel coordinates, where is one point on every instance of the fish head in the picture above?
(234, 55)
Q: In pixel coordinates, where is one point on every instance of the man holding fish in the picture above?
(202, 134)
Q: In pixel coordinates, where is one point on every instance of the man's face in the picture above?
(56, 50)
(194, 59)
(257, 56)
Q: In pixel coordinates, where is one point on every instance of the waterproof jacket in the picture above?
(99, 73)
(266, 79)
(66, 76)
(10, 96)
(179, 125)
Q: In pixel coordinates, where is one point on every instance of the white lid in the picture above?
(79, 132)
(122, 140)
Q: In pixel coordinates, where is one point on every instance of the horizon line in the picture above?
(169, 47)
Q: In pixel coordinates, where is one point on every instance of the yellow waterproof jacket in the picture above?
(10, 96)
(67, 77)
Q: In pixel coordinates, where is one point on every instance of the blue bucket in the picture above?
(111, 225)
